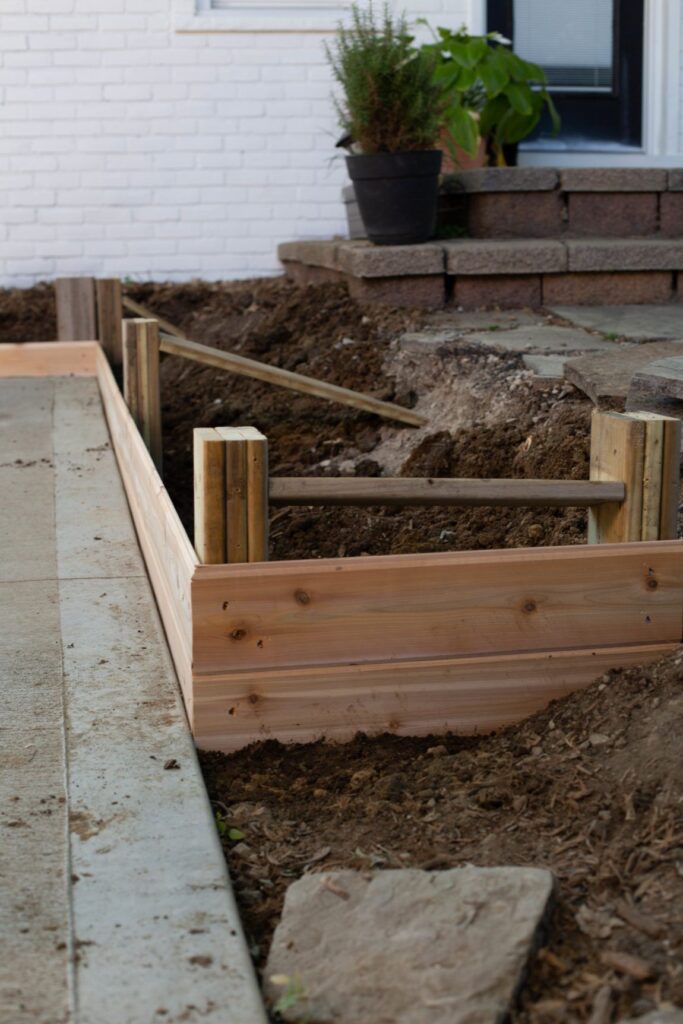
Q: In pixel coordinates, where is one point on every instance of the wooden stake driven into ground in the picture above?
(141, 381)
(109, 321)
(230, 495)
(642, 450)
(286, 379)
(76, 317)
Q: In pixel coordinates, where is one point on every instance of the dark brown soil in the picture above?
(591, 788)
(28, 314)
(321, 332)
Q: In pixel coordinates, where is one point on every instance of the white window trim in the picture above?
(260, 16)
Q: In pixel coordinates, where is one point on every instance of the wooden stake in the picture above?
(141, 382)
(75, 298)
(109, 318)
(671, 479)
(617, 453)
(652, 474)
(257, 494)
(236, 543)
(209, 495)
(286, 379)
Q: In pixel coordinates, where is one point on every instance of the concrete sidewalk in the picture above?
(115, 905)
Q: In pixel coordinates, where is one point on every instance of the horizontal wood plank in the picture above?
(310, 490)
(346, 611)
(49, 359)
(414, 698)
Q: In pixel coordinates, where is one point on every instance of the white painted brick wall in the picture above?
(130, 149)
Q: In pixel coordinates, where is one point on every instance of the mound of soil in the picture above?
(591, 788)
(28, 314)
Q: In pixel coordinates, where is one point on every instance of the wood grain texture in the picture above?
(76, 316)
(398, 607)
(169, 556)
(209, 495)
(109, 318)
(286, 379)
(413, 698)
(652, 474)
(308, 490)
(131, 380)
(617, 453)
(671, 479)
(49, 359)
(236, 535)
(257, 494)
(149, 387)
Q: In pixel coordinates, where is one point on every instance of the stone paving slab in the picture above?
(408, 946)
(658, 387)
(543, 340)
(547, 367)
(115, 904)
(635, 323)
(607, 376)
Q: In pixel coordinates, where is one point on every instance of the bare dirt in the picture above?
(591, 788)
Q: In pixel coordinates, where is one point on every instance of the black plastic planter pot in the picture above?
(397, 194)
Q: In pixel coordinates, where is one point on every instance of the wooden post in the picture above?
(209, 495)
(236, 536)
(642, 450)
(257, 494)
(141, 381)
(109, 318)
(75, 299)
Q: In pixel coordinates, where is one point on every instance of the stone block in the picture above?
(362, 259)
(422, 292)
(609, 288)
(614, 214)
(634, 323)
(503, 291)
(675, 179)
(408, 946)
(606, 377)
(503, 179)
(624, 254)
(312, 253)
(301, 273)
(671, 214)
(505, 256)
(613, 179)
(515, 215)
(544, 339)
(658, 386)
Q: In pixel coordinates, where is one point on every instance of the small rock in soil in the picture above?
(408, 946)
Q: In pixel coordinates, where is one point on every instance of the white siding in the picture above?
(128, 148)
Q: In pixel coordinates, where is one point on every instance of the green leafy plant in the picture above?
(491, 91)
(225, 831)
(392, 100)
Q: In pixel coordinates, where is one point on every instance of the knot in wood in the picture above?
(238, 634)
(529, 607)
(652, 584)
(302, 597)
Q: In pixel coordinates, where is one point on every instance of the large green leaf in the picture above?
(463, 129)
(521, 98)
(493, 76)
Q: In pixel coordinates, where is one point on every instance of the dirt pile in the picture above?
(28, 314)
(591, 788)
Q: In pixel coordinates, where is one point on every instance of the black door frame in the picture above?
(615, 118)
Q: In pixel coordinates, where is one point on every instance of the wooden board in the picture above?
(169, 556)
(76, 316)
(397, 607)
(49, 359)
(671, 479)
(309, 490)
(109, 318)
(415, 698)
(209, 495)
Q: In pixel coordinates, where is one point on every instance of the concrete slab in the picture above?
(116, 907)
(606, 377)
(658, 387)
(547, 367)
(635, 323)
(543, 340)
(481, 320)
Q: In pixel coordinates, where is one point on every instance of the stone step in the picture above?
(512, 273)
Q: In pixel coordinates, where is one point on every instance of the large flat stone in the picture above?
(624, 254)
(311, 253)
(636, 323)
(543, 340)
(408, 946)
(505, 256)
(362, 259)
(606, 376)
(658, 387)
(503, 179)
(613, 179)
(546, 367)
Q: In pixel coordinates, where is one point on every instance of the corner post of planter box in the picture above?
(141, 388)
(75, 301)
(209, 495)
(110, 318)
(642, 450)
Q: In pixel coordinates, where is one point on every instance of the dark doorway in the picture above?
(592, 53)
